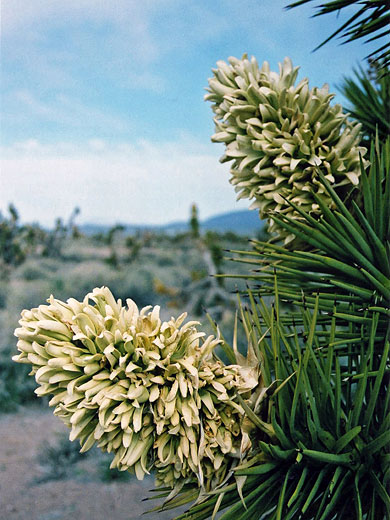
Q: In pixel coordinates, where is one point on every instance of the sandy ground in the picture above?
(81, 496)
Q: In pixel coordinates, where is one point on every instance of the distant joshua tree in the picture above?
(194, 221)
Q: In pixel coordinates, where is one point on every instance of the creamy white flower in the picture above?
(151, 392)
(278, 134)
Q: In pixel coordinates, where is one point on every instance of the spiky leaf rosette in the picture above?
(349, 265)
(152, 392)
(370, 20)
(279, 134)
(330, 416)
(369, 96)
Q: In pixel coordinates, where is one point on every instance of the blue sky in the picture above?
(102, 101)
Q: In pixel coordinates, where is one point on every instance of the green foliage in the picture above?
(370, 21)
(15, 387)
(111, 475)
(112, 234)
(32, 272)
(369, 95)
(3, 296)
(111, 239)
(58, 459)
(112, 260)
(54, 240)
(134, 244)
(18, 242)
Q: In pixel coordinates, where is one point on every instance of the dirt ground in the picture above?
(82, 496)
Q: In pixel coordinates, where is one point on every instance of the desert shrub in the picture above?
(15, 387)
(25, 295)
(33, 272)
(111, 475)
(197, 275)
(181, 239)
(136, 284)
(58, 286)
(58, 459)
(3, 296)
(165, 260)
(83, 277)
(12, 251)
(230, 236)
(50, 265)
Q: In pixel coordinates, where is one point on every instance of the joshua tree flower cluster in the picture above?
(279, 134)
(151, 392)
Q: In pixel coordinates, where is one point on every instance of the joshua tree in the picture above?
(11, 247)
(194, 221)
(299, 427)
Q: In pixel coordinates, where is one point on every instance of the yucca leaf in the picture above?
(336, 495)
(343, 441)
(265, 486)
(379, 247)
(322, 474)
(358, 501)
(382, 492)
(366, 22)
(373, 400)
(377, 444)
(279, 508)
(327, 368)
(369, 97)
(358, 238)
(301, 482)
(260, 469)
(340, 459)
(263, 426)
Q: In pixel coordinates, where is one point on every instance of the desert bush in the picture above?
(24, 295)
(3, 295)
(81, 277)
(15, 387)
(12, 247)
(109, 475)
(165, 259)
(137, 285)
(33, 272)
(58, 459)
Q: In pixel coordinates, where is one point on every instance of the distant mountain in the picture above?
(243, 222)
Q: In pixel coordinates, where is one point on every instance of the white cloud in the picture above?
(136, 183)
(17, 14)
(61, 110)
